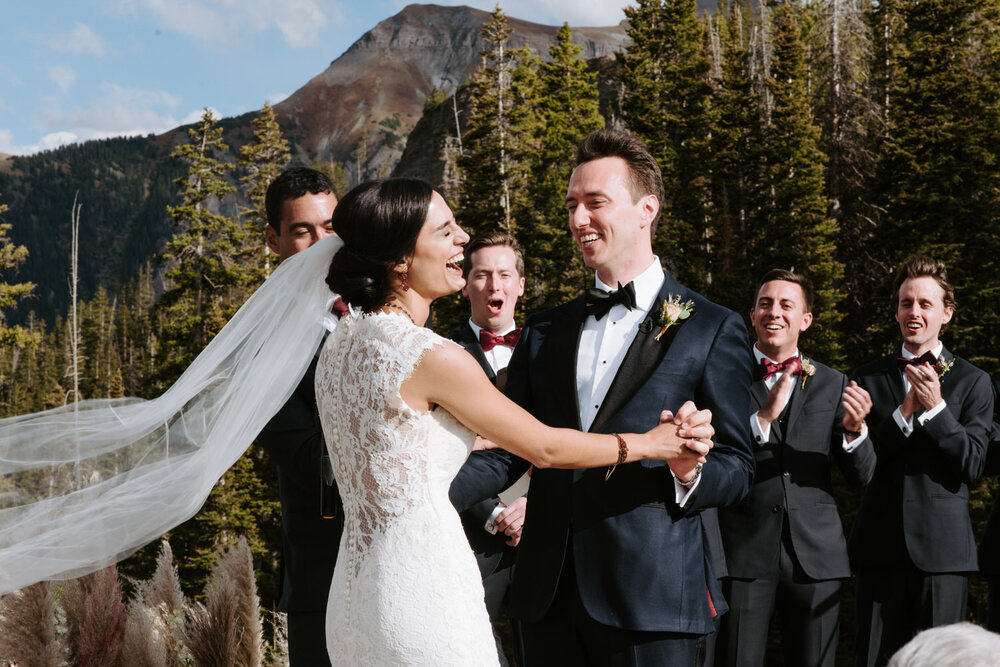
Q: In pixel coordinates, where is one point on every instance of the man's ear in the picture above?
(807, 319)
(271, 238)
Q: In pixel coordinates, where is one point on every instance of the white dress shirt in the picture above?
(499, 356)
(603, 345)
(906, 425)
(762, 434)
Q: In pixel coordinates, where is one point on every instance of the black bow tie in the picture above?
(926, 357)
(600, 302)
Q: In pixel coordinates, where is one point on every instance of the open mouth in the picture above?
(495, 306)
(588, 239)
(455, 264)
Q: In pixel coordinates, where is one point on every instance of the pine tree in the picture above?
(206, 271)
(11, 257)
(665, 78)
(568, 110)
(262, 160)
(795, 231)
(941, 159)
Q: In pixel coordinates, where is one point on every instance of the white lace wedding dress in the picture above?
(406, 589)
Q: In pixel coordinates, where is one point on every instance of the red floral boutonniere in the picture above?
(808, 370)
(942, 367)
(672, 312)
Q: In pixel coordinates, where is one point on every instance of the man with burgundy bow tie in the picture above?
(912, 544)
(613, 567)
(299, 204)
(494, 274)
(784, 543)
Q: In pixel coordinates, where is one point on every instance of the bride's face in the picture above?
(435, 268)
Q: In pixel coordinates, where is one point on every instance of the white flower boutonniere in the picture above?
(672, 312)
(942, 367)
(808, 370)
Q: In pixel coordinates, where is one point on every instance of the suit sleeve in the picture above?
(486, 473)
(886, 438)
(858, 465)
(294, 436)
(963, 440)
(725, 390)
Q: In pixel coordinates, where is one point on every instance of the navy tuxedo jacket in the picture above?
(641, 561)
(989, 547)
(917, 503)
(489, 549)
(792, 480)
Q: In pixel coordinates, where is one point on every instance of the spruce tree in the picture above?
(941, 160)
(568, 111)
(262, 160)
(665, 79)
(795, 231)
(11, 257)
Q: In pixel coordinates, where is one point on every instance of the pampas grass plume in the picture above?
(28, 627)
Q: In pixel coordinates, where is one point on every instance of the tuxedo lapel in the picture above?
(796, 400)
(560, 359)
(894, 379)
(643, 356)
(467, 338)
(758, 392)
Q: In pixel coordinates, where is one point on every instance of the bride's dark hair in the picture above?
(379, 222)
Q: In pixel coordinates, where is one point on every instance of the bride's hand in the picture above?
(692, 422)
(668, 445)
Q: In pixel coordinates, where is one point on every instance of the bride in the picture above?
(85, 485)
(400, 407)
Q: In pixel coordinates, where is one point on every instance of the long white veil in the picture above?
(85, 485)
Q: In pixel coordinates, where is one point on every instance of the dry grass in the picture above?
(96, 615)
(30, 627)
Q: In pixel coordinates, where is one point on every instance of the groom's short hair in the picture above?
(293, 183)
(644, 173)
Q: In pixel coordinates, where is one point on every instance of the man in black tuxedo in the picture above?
(613, 567)
(784, 543)
(989, 546)
(494, 272)
(912, 544)
(299, 205)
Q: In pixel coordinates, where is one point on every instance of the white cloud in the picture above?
(114, 94)
(81, 39)
(276, 98)
(195, 115)
(229, 22)
(63, 77)
(48, 142)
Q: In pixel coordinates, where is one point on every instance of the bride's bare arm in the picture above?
(448, 376)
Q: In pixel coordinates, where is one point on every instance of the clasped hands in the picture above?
(691, 442)
(925, 389)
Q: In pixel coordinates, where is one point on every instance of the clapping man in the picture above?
(299, 204)
(912, 543)
(612, 567)
(784, 543)
(494, 272)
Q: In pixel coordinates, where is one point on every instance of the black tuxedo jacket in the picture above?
(294, 440)
(489, 549)
(641, 561)
(792, 479)
(917, 503)
(989, 548)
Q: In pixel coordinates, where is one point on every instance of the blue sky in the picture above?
(72, 70)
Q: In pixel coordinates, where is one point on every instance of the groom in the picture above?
(613, 566)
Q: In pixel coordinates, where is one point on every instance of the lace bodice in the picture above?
(406, 589)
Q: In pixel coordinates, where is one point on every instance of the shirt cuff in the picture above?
(905, 425)
(933, 412)
(760, 434)
(491, 526)
(854, 444)
(683, 493)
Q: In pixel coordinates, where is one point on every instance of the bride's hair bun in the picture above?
(379, 222)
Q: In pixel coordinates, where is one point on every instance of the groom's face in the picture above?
(610, 224)
(304, 221)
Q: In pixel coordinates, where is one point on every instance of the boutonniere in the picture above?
(942, 367)
(672, 312)
(808, 370)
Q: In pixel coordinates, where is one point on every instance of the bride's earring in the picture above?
(402, 278)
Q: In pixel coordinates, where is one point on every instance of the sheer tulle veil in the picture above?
(85, 485)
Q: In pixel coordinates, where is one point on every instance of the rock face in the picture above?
(381, 82)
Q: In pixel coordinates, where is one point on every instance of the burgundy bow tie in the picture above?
(769, 368)
(339, 308)
(929, 357)
(490, 340)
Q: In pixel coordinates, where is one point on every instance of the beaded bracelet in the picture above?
(622, 455)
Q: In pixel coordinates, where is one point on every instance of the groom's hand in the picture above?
(695, 431)
(511, 520)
